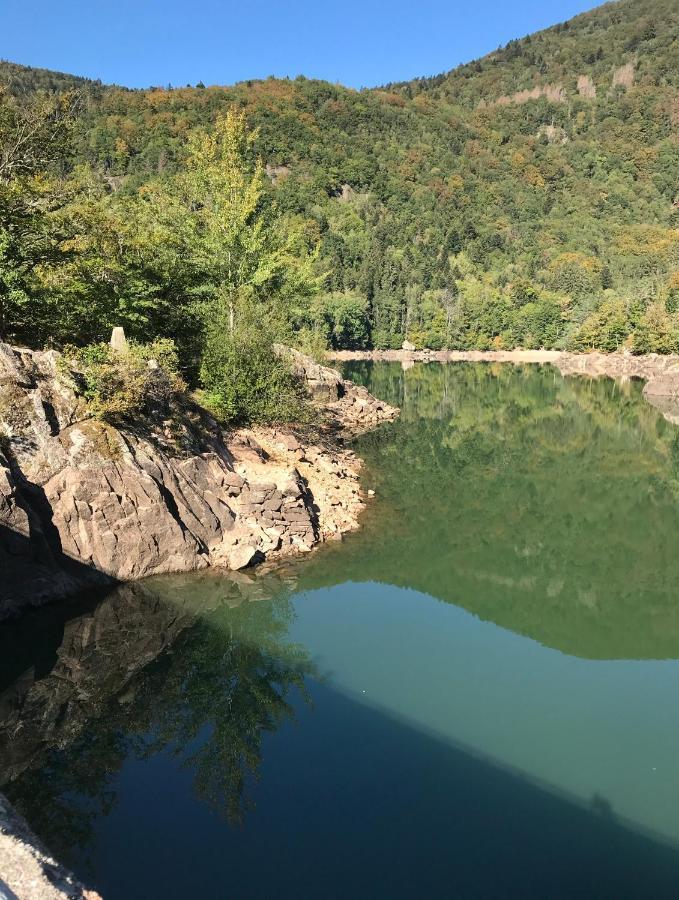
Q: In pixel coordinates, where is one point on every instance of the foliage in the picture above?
(657, 331)
(243, 379)
(341, 318)
(312, 343)
(514, 200)
(33, 140)
(238, 257)
(606, 328)
(120, 386)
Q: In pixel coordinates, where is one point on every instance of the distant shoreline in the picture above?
(660, 372)
(595, 363)
(531, 356)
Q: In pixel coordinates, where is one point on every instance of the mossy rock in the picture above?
(15, 405)
(102, 438)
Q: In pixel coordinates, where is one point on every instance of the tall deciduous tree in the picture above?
(248, 270)
(242, 261)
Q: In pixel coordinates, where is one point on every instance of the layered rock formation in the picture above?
(348, 407)
(83, 503)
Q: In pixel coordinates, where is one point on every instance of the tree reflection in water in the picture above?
(544, 505)
(207, 701)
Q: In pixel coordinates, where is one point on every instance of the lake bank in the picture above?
(84, 503)
(499, 639)
(613, 365)
(261, 457)
(659, 371)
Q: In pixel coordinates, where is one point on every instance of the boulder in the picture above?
(27, 869)
(323, 384)
(241, 556)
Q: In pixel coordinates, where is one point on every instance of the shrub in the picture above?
(243, 379)
(119, 386)
(606, 328)
(311, 342)
(656, 331)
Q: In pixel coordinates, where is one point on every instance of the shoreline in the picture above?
(533, 356)
(299, 484)
(593, 363)
(285, 482)
(84, 503)
(659, 371)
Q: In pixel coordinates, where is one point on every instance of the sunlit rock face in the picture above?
(82, 502)
(28, 868)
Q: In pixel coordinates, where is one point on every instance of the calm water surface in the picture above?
(477, 696)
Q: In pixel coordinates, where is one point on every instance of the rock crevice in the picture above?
(83, 503)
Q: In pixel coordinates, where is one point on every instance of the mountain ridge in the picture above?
(527, 198)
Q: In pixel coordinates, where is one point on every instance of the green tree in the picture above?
(251, 273)
(233, 240)
(656, 331)
(33, 138)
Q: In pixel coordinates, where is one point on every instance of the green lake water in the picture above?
(475, 696)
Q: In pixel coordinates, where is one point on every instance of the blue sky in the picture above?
(359, 43)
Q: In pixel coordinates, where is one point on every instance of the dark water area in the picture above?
(475, 696)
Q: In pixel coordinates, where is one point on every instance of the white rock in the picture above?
(241, 556)
(118, 340)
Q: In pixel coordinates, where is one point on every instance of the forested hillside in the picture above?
(530, 198)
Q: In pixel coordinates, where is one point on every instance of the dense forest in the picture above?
(529, 198)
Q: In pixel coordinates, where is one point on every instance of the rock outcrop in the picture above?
(82, 502)
(348, 407)
(27, 870)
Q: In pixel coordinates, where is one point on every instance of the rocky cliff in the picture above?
(85, 503)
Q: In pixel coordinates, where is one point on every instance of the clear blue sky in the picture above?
(359, 43)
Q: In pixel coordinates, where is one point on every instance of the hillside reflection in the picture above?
(549, 506)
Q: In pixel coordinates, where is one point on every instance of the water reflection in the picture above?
(546, 505)
(362, 798)
(542, 505)
(171, 666)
